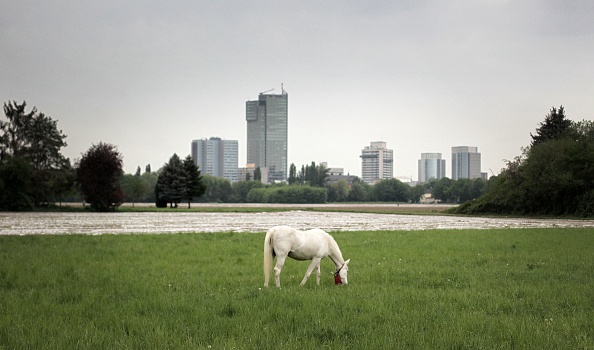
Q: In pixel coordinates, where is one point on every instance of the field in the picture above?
(440, 289)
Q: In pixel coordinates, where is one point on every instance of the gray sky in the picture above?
(151, 76)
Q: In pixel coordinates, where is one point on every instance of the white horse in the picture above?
(314, 245)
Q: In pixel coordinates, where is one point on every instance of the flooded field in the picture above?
(167, 222)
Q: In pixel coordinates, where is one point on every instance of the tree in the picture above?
(218, 190)
(15, 185)
(554, 176)
(150, 179)
(359, 191)
(172, 182)
(292, 174)
(552, 128)
(61, 182)
(390, 190)
(338, 191)
(314, 175)
(98, 174)
(134, 187)
(195, 187)
(34, 137)
(243, 188)
(258, 174)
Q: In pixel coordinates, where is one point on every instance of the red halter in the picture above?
(337, 279)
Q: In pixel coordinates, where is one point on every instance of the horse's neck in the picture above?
(335, 254)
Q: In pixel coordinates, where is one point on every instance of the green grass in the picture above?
(455, 289)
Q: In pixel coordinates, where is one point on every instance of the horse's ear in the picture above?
(347, 262)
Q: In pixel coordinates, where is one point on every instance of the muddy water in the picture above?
(122, 223)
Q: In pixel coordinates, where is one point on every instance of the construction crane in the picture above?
(262, 93)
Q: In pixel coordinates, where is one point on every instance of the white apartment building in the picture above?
(377, 162)
(216, 157)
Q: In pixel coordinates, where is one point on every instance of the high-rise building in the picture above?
(267, 133)
(216, 157)
(377, 162)
(431, 166)
(466, 163)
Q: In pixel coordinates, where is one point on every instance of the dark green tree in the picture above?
(258, 174)
(552, 127)
(15, 185)
(194, 185)
(292, 174)
(338, 191)
(172, 182)
(98, 174)
(313, 175)
(243, 188)
(34, 137)
(390, 190)
(359, 191)
(62, 182)
(555, 176)
(218, 190)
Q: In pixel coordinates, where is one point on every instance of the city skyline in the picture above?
(422, 76)
(216, 156)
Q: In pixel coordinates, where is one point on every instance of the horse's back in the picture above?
(312, 243)
(299, 245)
(282, 239)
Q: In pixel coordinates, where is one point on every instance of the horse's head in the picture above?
(340, 276)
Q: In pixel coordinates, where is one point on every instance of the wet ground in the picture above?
(167, 222)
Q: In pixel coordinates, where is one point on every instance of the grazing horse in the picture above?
(314, 245)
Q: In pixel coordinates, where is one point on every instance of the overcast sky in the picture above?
(423, 76)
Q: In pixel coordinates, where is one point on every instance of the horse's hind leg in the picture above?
(280, 261)
(315, 262)
(318, 273)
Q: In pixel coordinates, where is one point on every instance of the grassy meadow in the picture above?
(442, 289)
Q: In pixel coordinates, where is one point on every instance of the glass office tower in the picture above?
(431, 166)
(466, 163)
(267, 133)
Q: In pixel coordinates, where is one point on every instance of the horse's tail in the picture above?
(268, 256)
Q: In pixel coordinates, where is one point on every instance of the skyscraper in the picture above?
(267, 133)
(377, 162)
(431, 166)
(216, 157)
(466, 163)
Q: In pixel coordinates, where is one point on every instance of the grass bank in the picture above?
(487, 289)
(375, 208)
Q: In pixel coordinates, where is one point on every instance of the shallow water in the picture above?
(151, 222)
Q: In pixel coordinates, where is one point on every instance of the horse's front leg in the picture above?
(315, 262)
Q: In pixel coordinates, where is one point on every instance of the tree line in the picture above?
(34, 173)
(553, 176)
